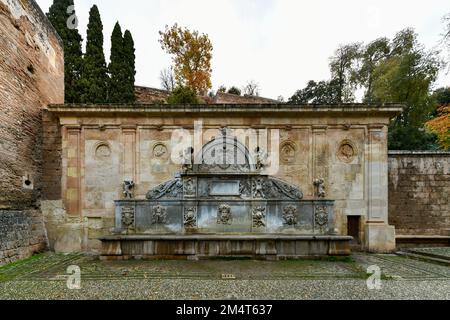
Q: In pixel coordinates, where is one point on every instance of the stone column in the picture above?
(379, 236)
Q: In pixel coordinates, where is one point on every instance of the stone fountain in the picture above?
(225, 206)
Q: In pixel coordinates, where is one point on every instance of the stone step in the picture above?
(425, 258)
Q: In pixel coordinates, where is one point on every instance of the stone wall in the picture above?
(104, 145)
(31, 77)
(22, 233)
(419, 189)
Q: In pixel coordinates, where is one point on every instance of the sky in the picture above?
(280, 44)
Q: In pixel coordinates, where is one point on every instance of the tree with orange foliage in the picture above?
(441, 126)
(192, 54)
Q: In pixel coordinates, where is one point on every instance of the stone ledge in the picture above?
(388, 109)
(418, 153)
(270, 247)
(214, 237)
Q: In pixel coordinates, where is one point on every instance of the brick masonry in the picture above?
(419, 188)
(31, 77)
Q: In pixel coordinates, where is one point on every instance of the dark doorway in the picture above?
(353, 223)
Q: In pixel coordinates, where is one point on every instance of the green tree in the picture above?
(323, 92)
(442, 96)
(343, 67)
(183, 95)
(94, 77)
(406, 76)
(130, 67)
(116, 68)
(62, 15)
(234, 90)
(371, 56)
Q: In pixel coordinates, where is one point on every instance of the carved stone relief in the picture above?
(346, 151)
(290, 215)
(288, 151)
(320, 188)
(321, 216)
(259, 217)
(190, 217)
(189, 187)
(128, 187)
(159, 214)
(102, 151)
(224, 215)
(127, 216)
(160, 151)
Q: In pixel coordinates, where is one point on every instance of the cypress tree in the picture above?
(94, 77)
(116, 67)
(73, 61)
(130, 65)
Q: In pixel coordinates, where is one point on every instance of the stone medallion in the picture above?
(346, 151)
(102, 151)
(288, 152)
(160, 151)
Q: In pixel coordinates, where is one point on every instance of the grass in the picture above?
(12, 270)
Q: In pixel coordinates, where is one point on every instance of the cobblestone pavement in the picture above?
(45, 276)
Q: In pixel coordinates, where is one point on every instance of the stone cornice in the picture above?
(389, 110)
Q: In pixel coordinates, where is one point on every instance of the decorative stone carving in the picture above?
(170, 189)
(190, 217)
(128, 188)
(320, 188)
(245, 189)
(290, 215)
(283, 189)
(224, 215)
(259, 217)
(159, 214)
(189, 187)
(321, 216)
(102, 151)
(127, 217)
(258, 188)
(187, 157)
(160, 151)
(346, 151)
(288, 151)
(260, 159)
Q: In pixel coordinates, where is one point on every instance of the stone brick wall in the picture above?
(419, 189)
(51, 156)
(31, 77)
(22, 233)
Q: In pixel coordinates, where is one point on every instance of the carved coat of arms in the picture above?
(321, 216)
(127, 216)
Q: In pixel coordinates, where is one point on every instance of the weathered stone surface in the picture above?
(22, 233)
(419, 188)
(31, 76)
(104, 145)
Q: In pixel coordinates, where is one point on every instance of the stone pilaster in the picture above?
(380, 237)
